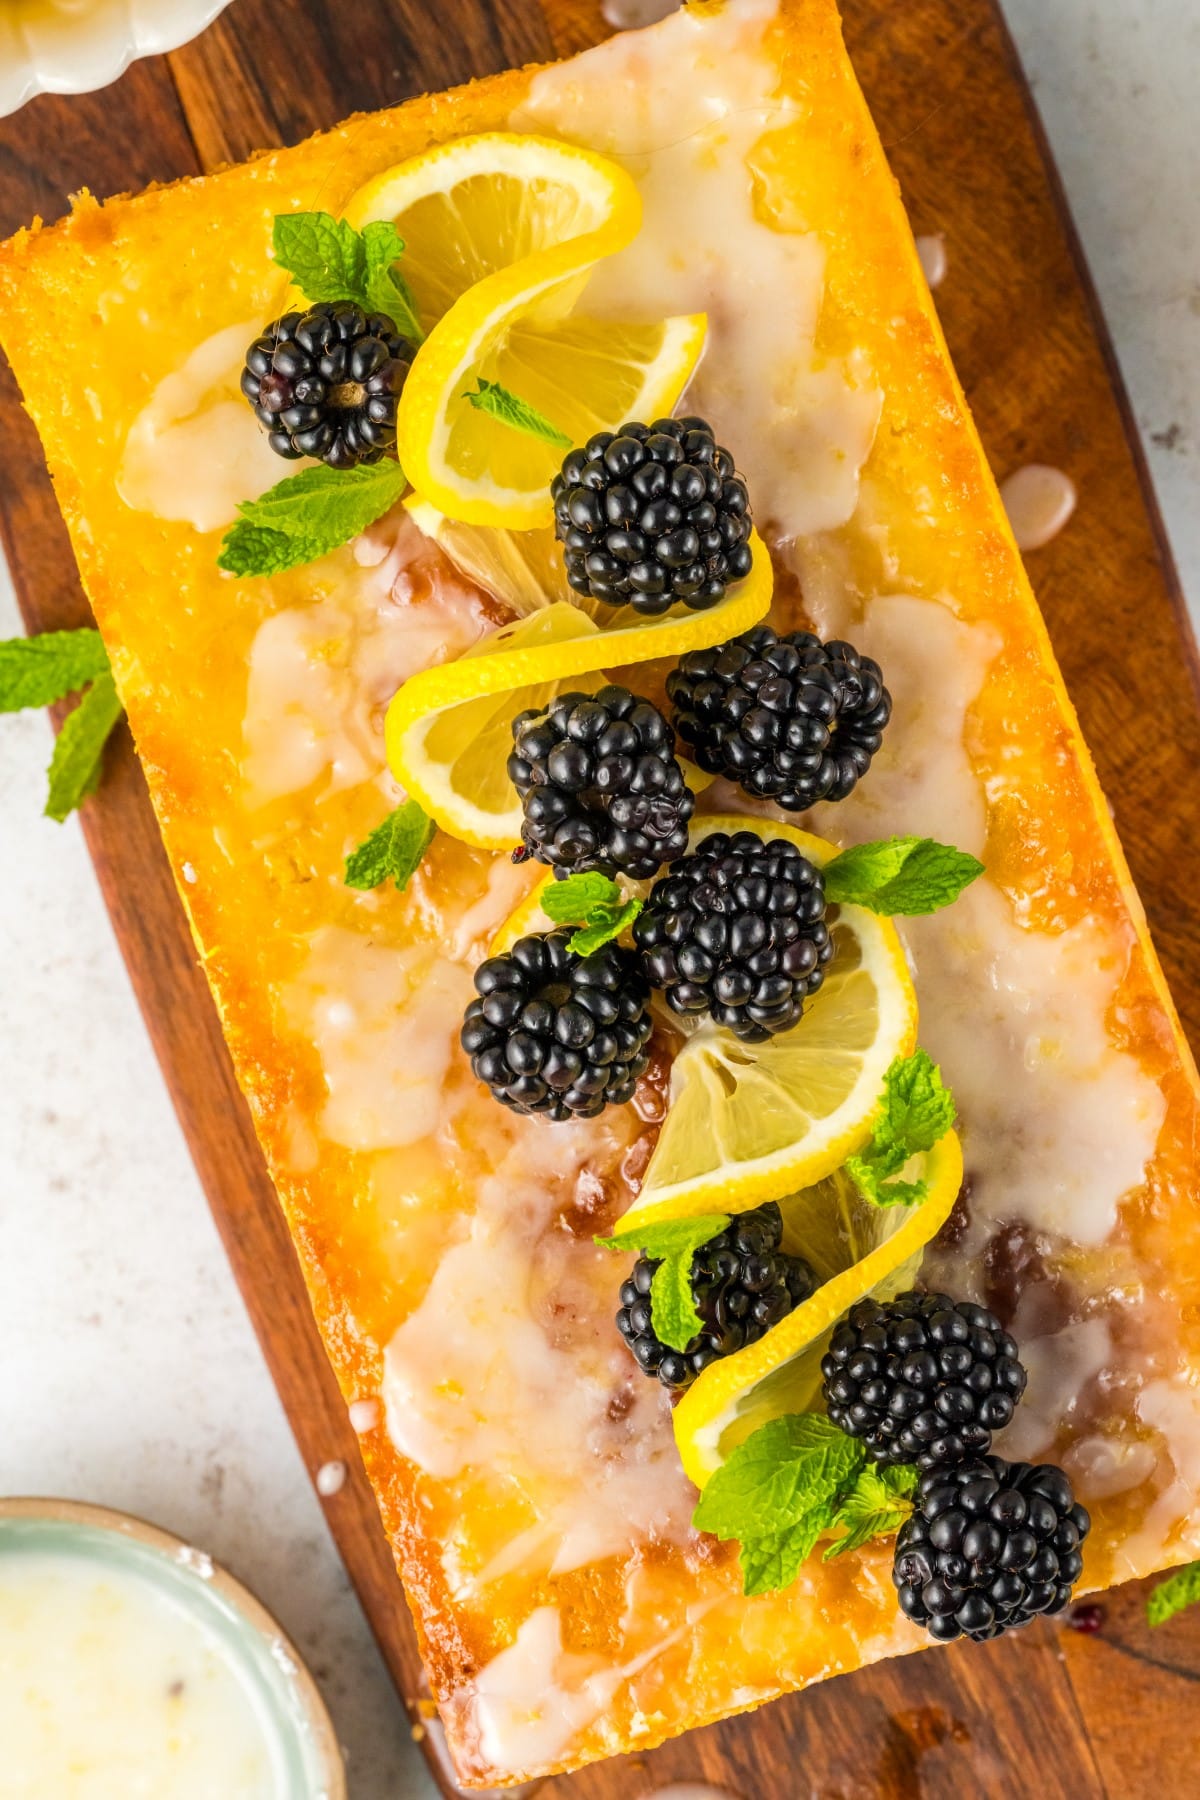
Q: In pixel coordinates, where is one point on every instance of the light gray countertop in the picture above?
(130, 1375)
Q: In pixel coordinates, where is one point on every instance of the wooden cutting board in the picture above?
(1051, 1711)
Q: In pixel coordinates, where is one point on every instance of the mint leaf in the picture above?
(75, 764)
(901, 1479)
(305, 516)
(253, 550)
(672, 1303)
(670, 1237)
(569, 902)
(324, 255)
(900, 875)
(774, 1559)
(489, 397)
(874, 1507)
(384, 287)
(785, 1470)
(394, 848)
(37, 670)
(918, 1110)
(604, 924)
(917, 1113)
(329, 260)
(594, 902)
(1180, 1590)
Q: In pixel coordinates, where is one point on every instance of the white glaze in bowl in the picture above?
(72, 46)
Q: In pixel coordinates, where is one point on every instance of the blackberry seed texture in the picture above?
(599, 784)
(737, 930)
(989, 1546)
(743, 1284)
(325, 383)
(921, 1379)
(558, 1034)
(789, 719)
(652, 515)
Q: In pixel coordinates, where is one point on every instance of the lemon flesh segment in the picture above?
(750, 1122)
(448, 729)
(480, 204)
(525, 569)
(585, 375)
(857, 1250)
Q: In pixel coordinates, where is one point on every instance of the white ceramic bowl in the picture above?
(71, 46)
(305, 1757)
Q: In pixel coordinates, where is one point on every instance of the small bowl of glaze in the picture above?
(73, 46)
(131, 1663)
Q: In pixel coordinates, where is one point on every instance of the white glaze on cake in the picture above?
(681, 105)
(195, 450)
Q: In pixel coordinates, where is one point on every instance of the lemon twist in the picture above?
(449, 729)
(501, 233)
(858, 1250)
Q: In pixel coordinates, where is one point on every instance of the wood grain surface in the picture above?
(1051, 1712)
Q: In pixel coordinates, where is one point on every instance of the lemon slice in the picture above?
(469, 208)
(584, 375)
(501, 231)
(449, 728)
(859, 1249)
(749, 1122)
(523, 568)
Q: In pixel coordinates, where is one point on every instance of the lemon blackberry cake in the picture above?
(690, 995)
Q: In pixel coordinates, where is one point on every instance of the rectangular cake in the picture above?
(526, 1470)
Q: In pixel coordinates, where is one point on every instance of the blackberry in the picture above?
(988, 1546)
(325, 383)
(743, 1284)
(790, 719)
(599, 784)
(737, 930)
(921, 1379)
(558, 1034)
(652, 515)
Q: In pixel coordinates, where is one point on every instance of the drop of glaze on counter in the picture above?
(331, 1476)
(635, 15)
(689, 1790)
(931, 249)
(1038, 500)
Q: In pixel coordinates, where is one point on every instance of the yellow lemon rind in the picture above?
(497, 672)
(710, 1404)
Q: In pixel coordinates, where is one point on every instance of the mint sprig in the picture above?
(594, 903)
(1174, 1595)
(917, 1111)
(489, 397)
(900, 876)
(38, 670)
(876, 1506)
(329, 260)
(305, 516)
(395, 848)
(672, 1302)
(79, 748)
(791, 1481)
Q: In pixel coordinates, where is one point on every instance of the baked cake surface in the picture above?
(527, 1477)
